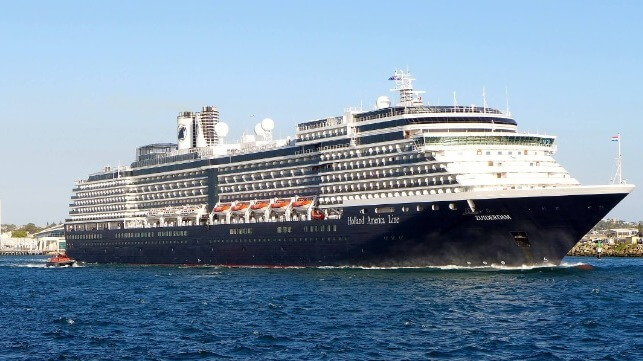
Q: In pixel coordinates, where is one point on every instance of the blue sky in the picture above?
(83, 83)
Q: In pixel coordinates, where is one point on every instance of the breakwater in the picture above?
(588, 249)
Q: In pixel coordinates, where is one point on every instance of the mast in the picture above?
(404, 85)
(618, 176)
(455, 103)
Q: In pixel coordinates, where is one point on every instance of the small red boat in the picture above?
(59, 260)
(317, 215)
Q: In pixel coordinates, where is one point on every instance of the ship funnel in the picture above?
(205, 122)
(185, 130)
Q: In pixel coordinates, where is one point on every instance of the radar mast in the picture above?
(404, 85)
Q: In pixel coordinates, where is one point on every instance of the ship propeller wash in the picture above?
(400, 185)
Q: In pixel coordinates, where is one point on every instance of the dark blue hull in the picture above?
(502, 231)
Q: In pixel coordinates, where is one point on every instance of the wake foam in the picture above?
(493, 267)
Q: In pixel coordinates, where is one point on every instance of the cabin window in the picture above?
(384, 210)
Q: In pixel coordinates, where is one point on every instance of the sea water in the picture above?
(585, 309)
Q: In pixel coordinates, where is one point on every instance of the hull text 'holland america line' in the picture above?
(401, 185)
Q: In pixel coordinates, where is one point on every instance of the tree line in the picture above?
(24, 230)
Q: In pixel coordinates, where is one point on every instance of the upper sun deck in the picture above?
(439, 109)
(410, 105)
(395, 111)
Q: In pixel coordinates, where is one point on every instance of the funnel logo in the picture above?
(182, 131)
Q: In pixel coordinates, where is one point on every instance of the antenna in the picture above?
(455, 102)
(507, 100)
(404, 85)
(484, 100)
(619, 162)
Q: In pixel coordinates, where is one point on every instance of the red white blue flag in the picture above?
(616, 138)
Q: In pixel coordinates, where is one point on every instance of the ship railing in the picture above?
(451, 109)
(514, 139)
(166, 159)
(320, 123)
(254, 148)
(395, 111)
(111, 170)
(333, 147)
(326, 135)
(307, 151)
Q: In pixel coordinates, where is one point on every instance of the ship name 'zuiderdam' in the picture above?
(401, 185)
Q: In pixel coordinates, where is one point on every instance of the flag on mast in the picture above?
(616, 138)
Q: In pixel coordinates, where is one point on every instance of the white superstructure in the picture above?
(406, 150)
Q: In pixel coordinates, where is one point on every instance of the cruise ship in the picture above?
(405, 184)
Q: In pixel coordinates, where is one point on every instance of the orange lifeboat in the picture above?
(221, 208)
(259, 205)
(240, 207)
(301, 202)
(281, 203)
(317, 215)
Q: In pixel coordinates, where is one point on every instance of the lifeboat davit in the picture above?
(171, 212)
(259, 206)
(188, 211)
(317, 215)
(221, 208)
(155, 213)
(301, 203)
(241, 207)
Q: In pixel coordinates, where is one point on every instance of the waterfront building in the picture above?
(51, 239)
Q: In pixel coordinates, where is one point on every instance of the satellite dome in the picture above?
(268, 124)
(259, 130)
(383, 102)
(221, 129)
